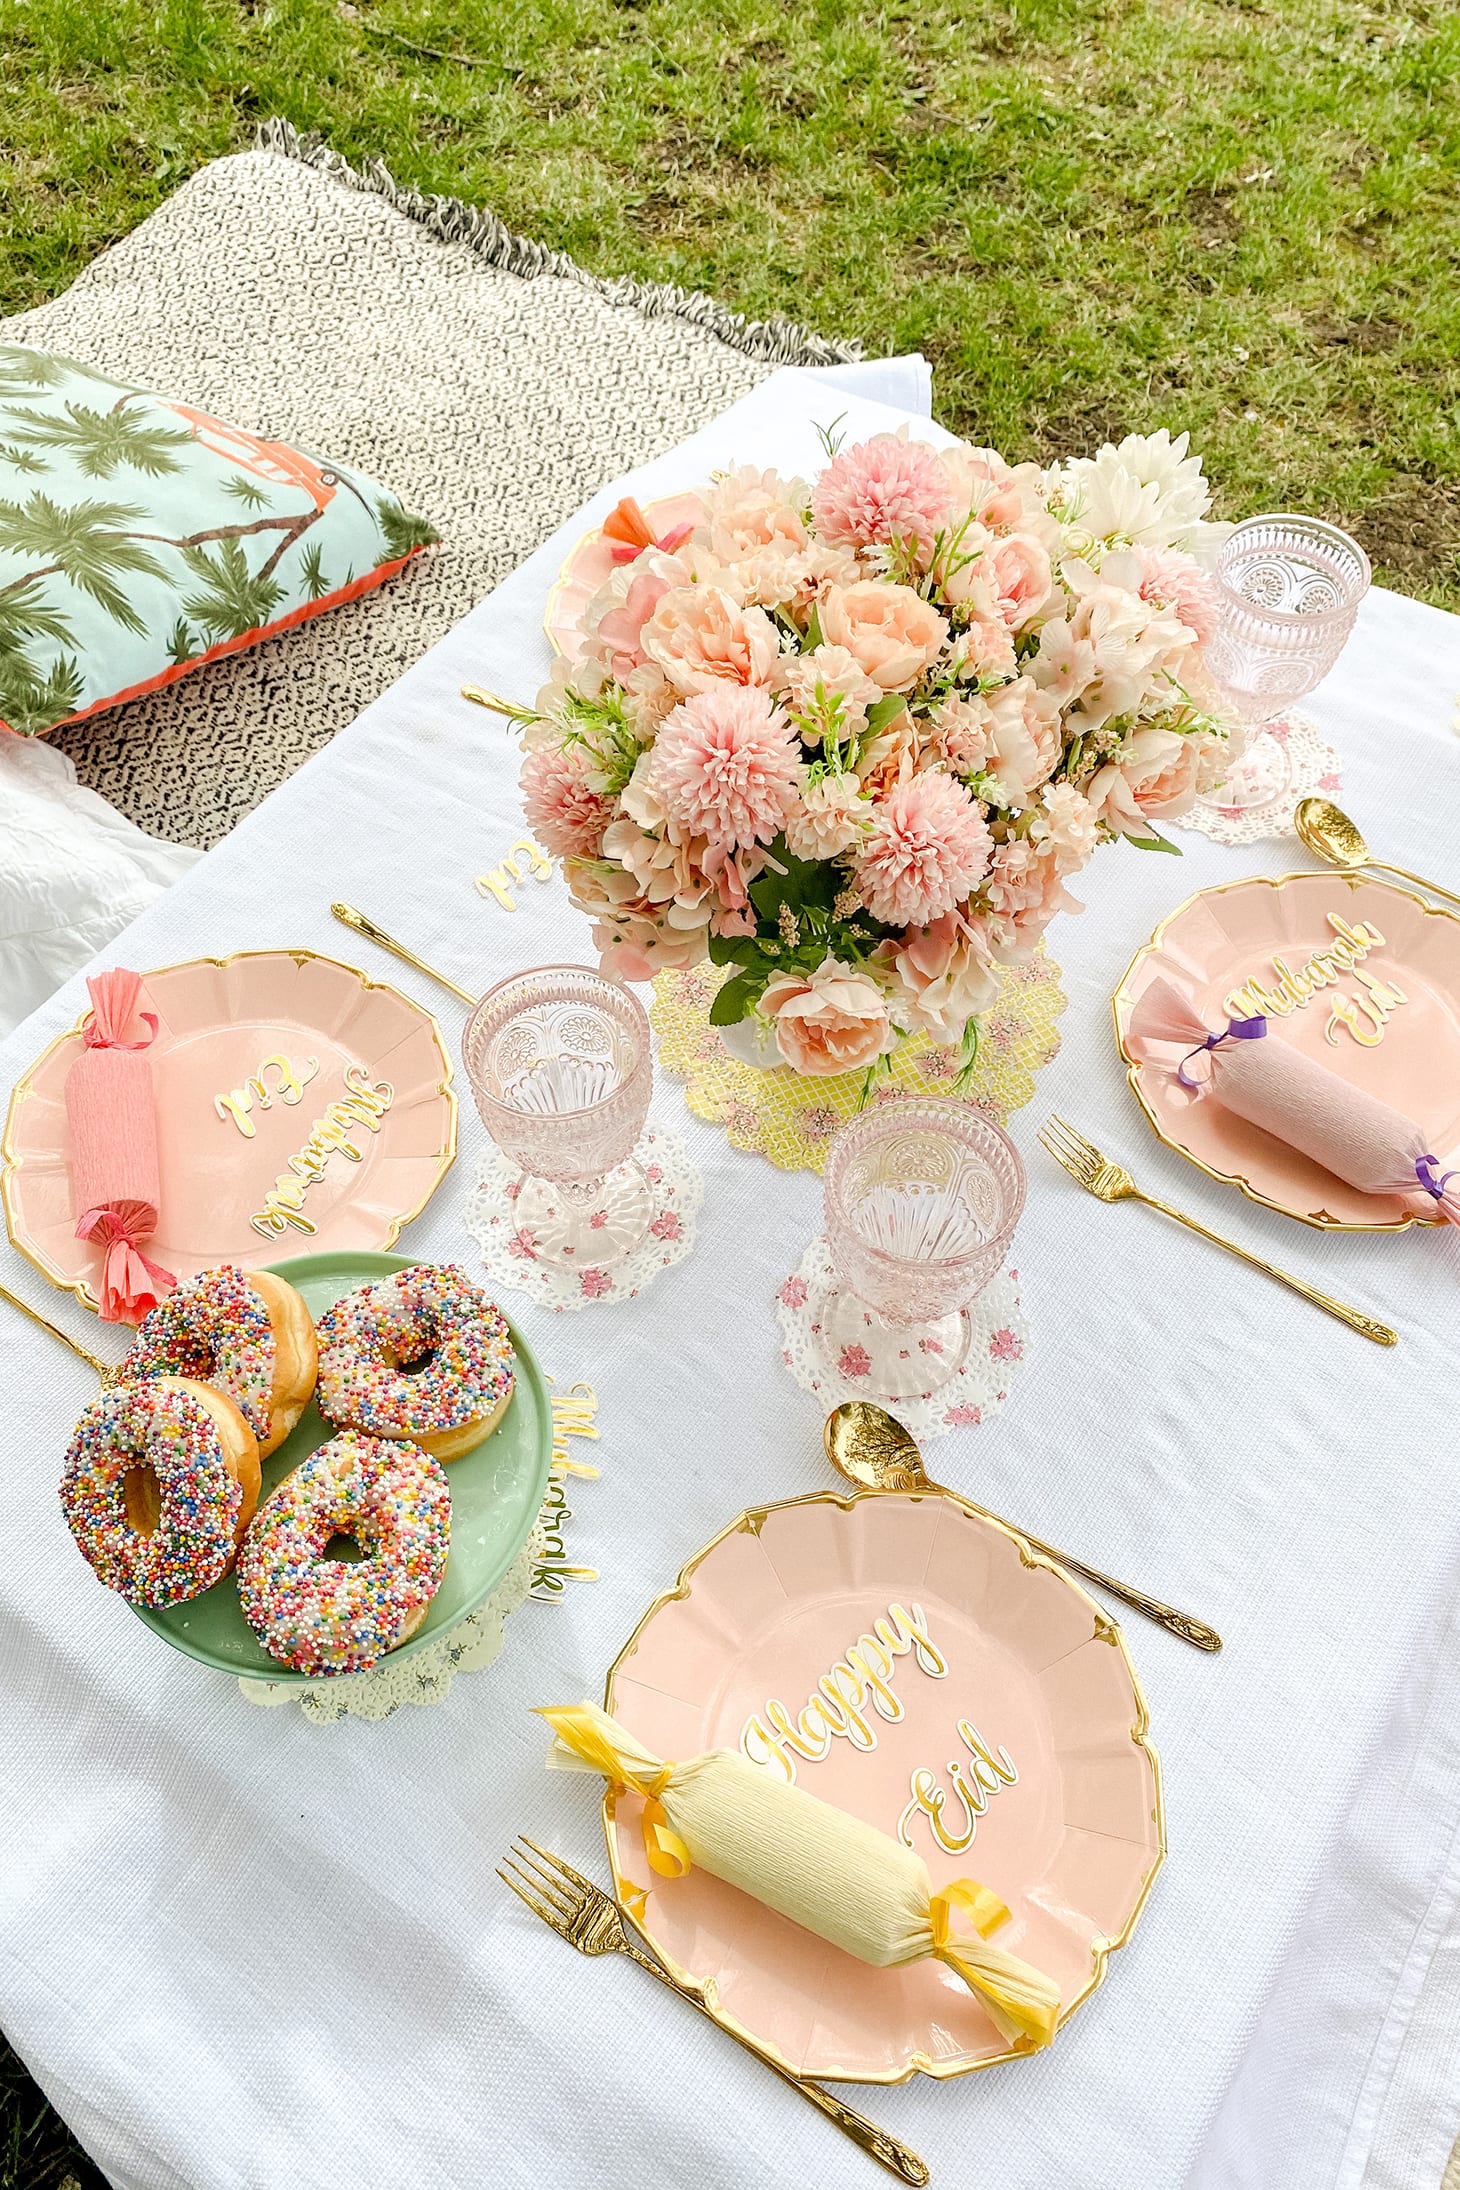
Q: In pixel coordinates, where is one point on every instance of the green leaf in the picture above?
(245, 491)
(26, 614)
(401, 531)
(730, 950)
(100, 440)
(84, 544)
(884, 711)
(233, 600)
(1154, 843)
(31, 704)
(813, 629)
(735, 999)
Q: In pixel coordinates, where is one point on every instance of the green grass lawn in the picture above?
(1091, 214)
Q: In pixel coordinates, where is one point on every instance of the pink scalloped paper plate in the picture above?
(1386, 1016)
(592, 561)
(1013, 1663)
(255, 1056)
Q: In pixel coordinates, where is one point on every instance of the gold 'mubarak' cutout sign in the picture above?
(1364, 1015)
(337, 1132)
(573, 1411)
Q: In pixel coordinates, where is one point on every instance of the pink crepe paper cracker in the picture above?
(1295, 1098)
(115, 1183)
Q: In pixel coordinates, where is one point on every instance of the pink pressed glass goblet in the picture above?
(1289, 589)
(560, 1065)
(921, 1200)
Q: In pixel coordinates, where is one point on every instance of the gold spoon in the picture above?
(867, 1445)
(104, 1369)
(362, 926)
(1327, 830)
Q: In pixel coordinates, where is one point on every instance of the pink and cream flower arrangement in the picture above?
(854, 740)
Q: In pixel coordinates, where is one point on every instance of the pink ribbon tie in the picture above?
(131, 1282)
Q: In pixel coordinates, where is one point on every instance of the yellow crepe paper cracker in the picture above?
(832, 1873)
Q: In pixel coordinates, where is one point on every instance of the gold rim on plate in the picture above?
(1319, 1221)
(11, 1165)
(704, 1989)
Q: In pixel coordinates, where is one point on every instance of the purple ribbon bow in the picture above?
(1236, 1030)
(1431, 1178)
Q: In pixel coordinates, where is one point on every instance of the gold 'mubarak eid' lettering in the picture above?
(292, 1081)
(973, 1784)
(1364, 1015)
(855, 1685)
(339, 1131)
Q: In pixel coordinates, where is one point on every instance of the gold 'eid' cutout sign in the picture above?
(498, 883)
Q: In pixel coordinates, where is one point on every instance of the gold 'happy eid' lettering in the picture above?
(855, 1686)
(1364, 1015)
(339, 1131)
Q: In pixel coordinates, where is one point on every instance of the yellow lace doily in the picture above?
(790, 1118)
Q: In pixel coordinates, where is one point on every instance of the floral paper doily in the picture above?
(790, 1119)
(1313, 767)
(998, 1342)
(426, 1676)
(507, 1250)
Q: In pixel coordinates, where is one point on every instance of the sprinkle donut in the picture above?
(245, 1332)
(322, 1615)
(161, 1480)
(423, 1354)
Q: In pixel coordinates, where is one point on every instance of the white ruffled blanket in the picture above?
(73, 871)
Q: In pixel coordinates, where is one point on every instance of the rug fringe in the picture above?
(777, 341)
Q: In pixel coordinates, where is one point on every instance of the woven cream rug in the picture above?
(489, 382)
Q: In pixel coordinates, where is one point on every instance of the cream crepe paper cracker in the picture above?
(850, 1884)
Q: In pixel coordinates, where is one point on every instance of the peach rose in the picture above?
(1156, 773)
(833, 1021)
(945, 976)
(889, 629)
(1025, 891)
(1023, 576)
(700, 636)
(984, 483)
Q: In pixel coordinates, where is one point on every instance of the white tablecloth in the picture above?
(241, 1950)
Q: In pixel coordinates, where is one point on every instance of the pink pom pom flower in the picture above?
(883, 490)
(564, 812)
(926, 847)
(727, 767)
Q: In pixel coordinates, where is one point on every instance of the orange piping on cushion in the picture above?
(174, 670)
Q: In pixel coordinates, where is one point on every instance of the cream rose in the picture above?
(890, 630)
(834, 1020)
(1156, 773)
(945, 977)
(700, 636)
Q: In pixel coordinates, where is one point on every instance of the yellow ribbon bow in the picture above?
(1019, 1999)
(574, 1725)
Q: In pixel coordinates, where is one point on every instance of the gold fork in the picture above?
(1108, 1182)
(590, 1920)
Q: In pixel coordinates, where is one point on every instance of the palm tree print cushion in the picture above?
(140, 538)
